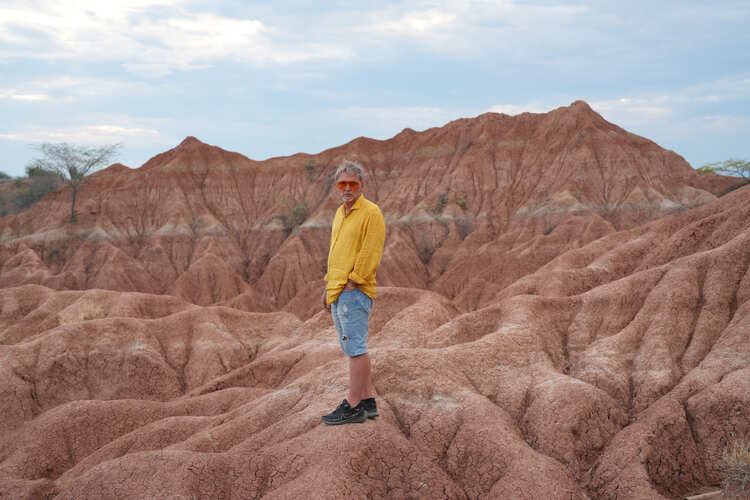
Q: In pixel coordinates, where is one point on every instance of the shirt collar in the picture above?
(357, 204)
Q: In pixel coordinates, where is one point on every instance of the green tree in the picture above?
(733, 167)
(4, 176)
(35, 186)
(72, 163)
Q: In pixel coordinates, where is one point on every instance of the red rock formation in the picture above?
(534, 335)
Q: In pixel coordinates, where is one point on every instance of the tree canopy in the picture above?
(72, 163)
(733, 167)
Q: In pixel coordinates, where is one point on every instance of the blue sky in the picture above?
(272, 79)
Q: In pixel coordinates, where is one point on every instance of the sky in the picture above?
(277, 78)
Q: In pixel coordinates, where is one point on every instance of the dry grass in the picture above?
(81, 312)
(736, 460)
(93, 312)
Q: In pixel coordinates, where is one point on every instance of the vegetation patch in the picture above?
(736, 464)
(310, 170)
(16, 195)
(293, 217)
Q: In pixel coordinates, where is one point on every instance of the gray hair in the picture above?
(351, 167)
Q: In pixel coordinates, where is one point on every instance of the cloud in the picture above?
(642, 109)
(514, 109)
(149, 37)
(157, 37)
(635, 108)
(86, 134)
(78, 86)
(476, 28)
(115, 130)
(14, 95)
(415, 22)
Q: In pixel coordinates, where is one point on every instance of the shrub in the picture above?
(84, 312)
(310, 170)
(297, 215)
(440, 203)
(736, 461)
(293, 216)
(92, 312)
(4, 176)
(464, 226)
(35, 188)
(425, 254)
(462, 202)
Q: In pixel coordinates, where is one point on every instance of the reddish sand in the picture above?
(563, 312)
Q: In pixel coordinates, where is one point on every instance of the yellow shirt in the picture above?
(356, 247)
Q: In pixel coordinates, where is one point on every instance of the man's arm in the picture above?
(326, 305)
(369, 255)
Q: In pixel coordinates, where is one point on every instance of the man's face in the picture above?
(350, 187)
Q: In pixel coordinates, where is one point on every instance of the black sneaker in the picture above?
(345, 414)
(371, 409)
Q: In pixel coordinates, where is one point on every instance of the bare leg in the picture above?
(359, 379)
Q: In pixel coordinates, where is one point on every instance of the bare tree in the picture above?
(73, 163)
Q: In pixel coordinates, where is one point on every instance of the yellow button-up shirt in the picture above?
(356, 247)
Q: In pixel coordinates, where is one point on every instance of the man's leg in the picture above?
(351, 314)
(359, 379)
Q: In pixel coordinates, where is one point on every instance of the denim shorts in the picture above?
(351, 317)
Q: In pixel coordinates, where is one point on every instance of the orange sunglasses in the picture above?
(353, 185)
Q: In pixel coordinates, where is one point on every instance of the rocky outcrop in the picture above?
(564, 313)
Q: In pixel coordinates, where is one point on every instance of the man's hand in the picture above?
(326, 306)
(350, 285)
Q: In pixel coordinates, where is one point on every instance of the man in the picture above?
(357, 239)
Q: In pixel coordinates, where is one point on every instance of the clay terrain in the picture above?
(563, 312)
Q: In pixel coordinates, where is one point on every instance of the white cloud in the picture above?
(514, 109)
(116, 130)
(86, 134)
(476, 28)
(641, 109)
(65, 84)
(415, 22)
(147, 41)
(635, 108)
(156, 37)
(16, 96)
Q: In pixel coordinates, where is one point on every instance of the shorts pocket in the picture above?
(364, 300)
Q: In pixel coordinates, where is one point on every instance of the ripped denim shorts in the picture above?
(351, 317)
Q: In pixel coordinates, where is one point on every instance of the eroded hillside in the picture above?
(563, 314)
